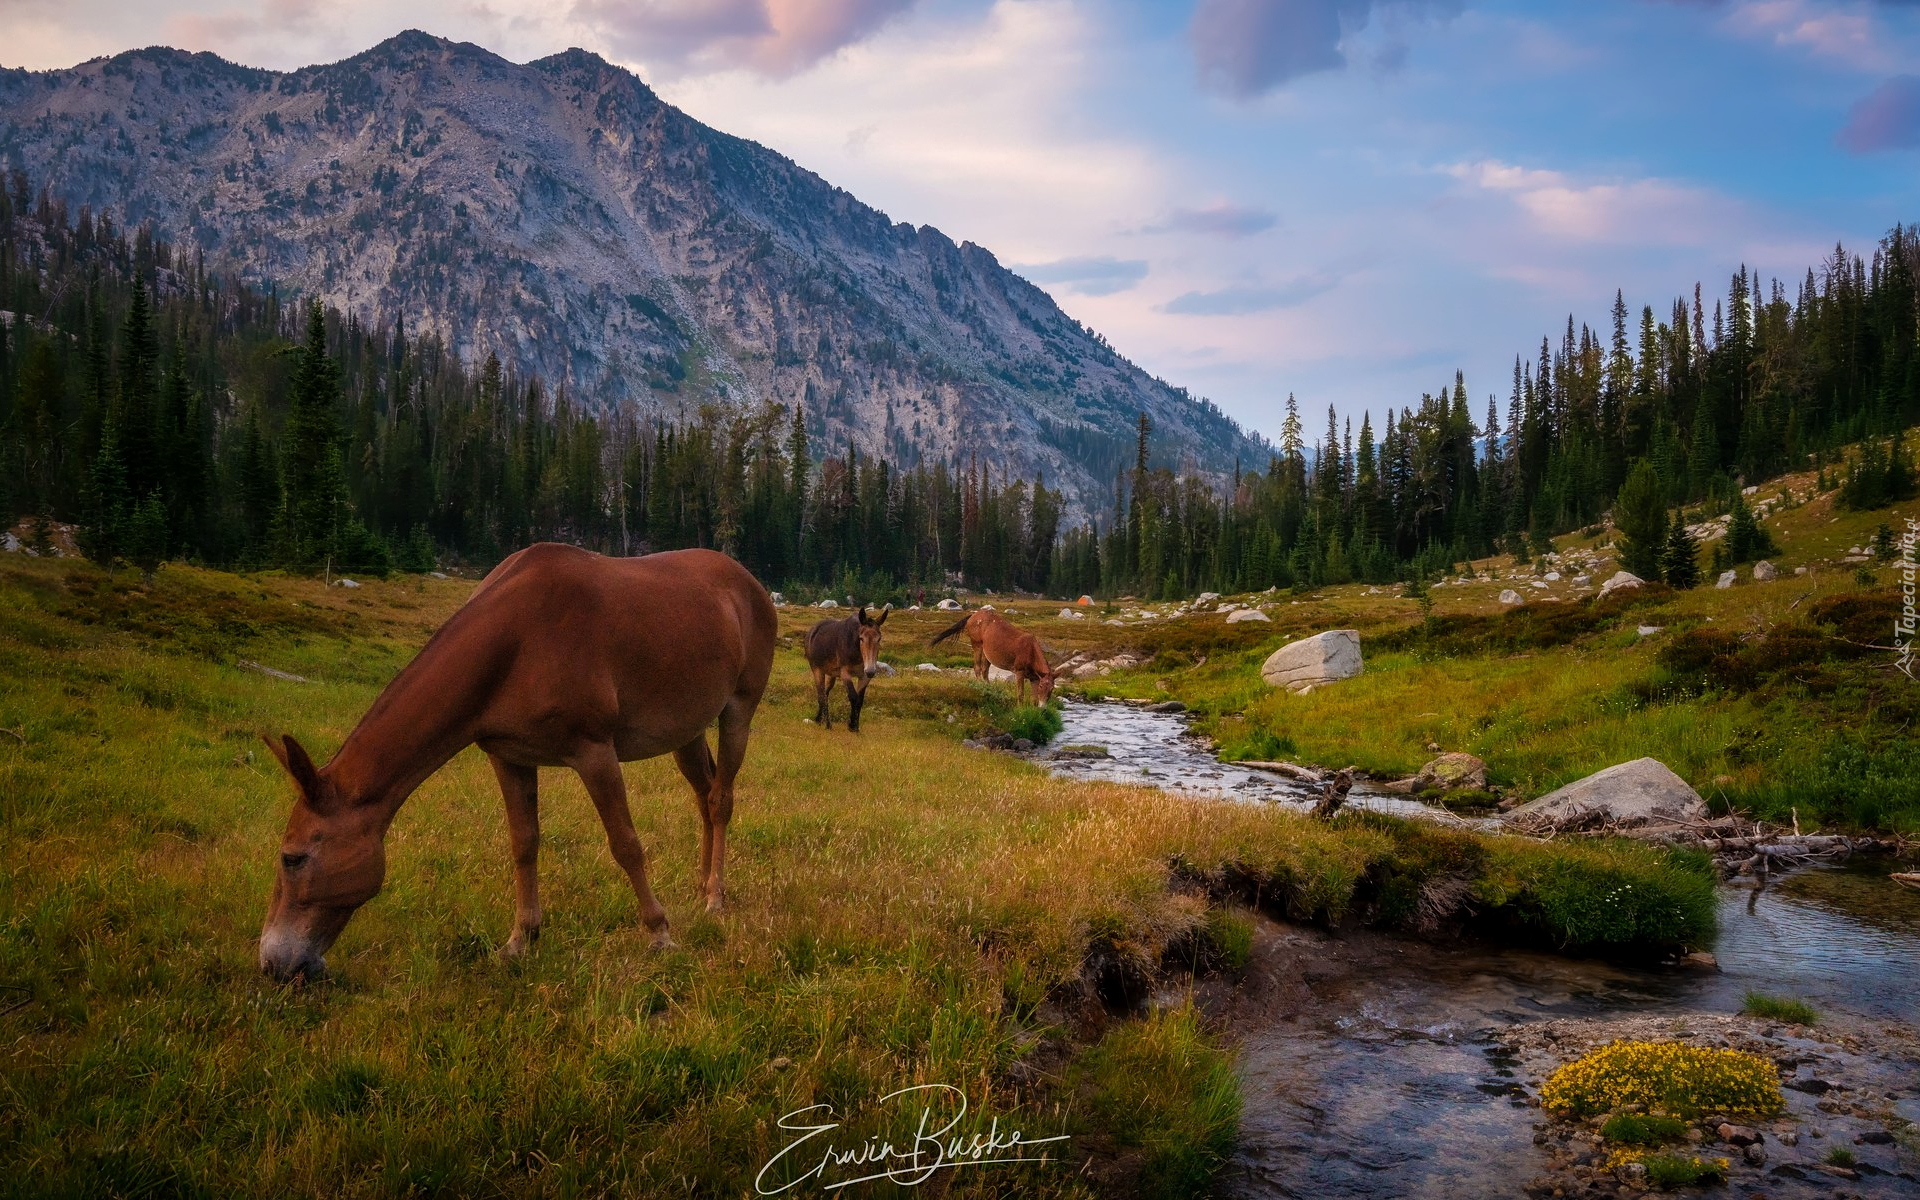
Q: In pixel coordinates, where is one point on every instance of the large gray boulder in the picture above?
(1451, 771)
(1323, 658)
(1764, 571)
(1620, 580)
(1641, 792)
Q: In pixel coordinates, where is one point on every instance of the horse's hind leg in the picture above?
(736, 722)
(520, 788)
(599, 768)
(697, 768)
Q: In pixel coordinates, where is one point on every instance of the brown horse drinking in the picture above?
(561, 658)
(998, 641)
(848, 650)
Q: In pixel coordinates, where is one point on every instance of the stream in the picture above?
(1378, 1066)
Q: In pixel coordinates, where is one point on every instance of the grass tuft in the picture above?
(1780, 1008)
(1643, 1129)
(1666, 1171)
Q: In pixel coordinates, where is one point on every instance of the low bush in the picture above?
(1666, 1076)
(1037, 724)
(1672, 1171)
(1600, 894)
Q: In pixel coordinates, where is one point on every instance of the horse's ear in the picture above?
(862, 614)
(882, 618)
(293, 756)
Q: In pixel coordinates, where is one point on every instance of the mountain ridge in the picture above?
(558, 213)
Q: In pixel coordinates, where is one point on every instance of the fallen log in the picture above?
(1291, 770)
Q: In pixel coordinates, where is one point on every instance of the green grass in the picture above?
(903, 911)
(1840, 1156)
(1779, 1008)
(1641, 1129)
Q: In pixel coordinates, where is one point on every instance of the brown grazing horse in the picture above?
(561, 658)
(998, 641)
(847, 649)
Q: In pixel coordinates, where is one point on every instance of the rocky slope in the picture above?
(560, 214)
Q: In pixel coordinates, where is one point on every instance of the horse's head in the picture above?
(1043, 685)
(870, 638)
(332, 860)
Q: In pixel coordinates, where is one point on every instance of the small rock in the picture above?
(1021, 745)
(436, 574)
(1552, 577)
(345, 583)
(1702, 959)
(999, 674)
(1451, 771)
(1874, 1137)
(1799, 570)
(1509, 596)
(1726, 580)
(1788, 1138)
(1067, 614)
(1764, 571)
(883, 669)
(948, 605)
(778, 599)
(781, 1063)
(1206, 598)
(1812, 1087)
(1241, 615)
(1620, 581)
(1538, 584)
(1649, 630)
(1167, 706)
(1632, 1172)
(1583, 581)
(1738, 1135)
(829, 602)
(927, 667)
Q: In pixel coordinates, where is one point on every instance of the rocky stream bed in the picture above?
(1374, 1065)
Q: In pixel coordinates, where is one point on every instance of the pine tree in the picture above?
(108, 502)
(1680, 561)
(1640, 514)
(312, 480)
(1746, 538)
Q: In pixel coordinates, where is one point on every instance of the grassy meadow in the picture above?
(904, 911)
(1770, 698)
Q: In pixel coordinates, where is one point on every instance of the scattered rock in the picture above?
(1067, 614)
(948, 605)
(1451, 771)
(1537, 583)
(1738, 1135)
(1627, 794)
(999, 674)
(1726, 579)
(1166, 706)
(1799, 570)
(436, 574)
(882, 668)
(1812, 1087)
(1206, 598)
(1702, 959)
(1583, 581)
(1648, 630)
(1021, 745)
(1764, 571)
(927, 667)
(1322, 658)
(1509, 596)
(1082, 752)
(1874, 1137)
(1552, 577)
(1620, 580)
(1241, 615)
(830, 602)
(345, 583)
(779, 601)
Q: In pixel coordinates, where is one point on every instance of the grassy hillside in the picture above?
(904, 911)
(1770, 697)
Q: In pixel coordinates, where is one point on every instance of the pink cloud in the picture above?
(773, 37)
(1888, 118)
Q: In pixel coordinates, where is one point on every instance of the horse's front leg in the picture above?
(599, 768)
(822, 693)
(856, 700)
(520, 788)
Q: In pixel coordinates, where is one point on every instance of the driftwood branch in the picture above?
(1334, 795)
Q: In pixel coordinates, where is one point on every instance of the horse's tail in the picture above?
(948, 632)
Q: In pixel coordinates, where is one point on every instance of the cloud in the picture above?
(1242, 299)
(1244, 48)
(1849, 35)
(1100, 275)
(1218, 220)
(1627, 212)
(776, 38)
(1888, 118)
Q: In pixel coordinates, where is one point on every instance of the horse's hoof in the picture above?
(663, 941)
(716, 904)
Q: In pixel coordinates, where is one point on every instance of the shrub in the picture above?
(1037, 724)
(1642, 1129)
(1840, 1156)
(1777, 1008)
(1668, 1076)
(1601, 894)
(1672, 1171)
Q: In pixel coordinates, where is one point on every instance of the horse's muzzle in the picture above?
(285, 959)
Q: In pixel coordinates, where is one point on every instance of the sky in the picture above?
(1344, 200)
